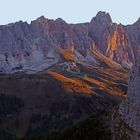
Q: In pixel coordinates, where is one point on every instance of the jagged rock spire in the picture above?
(102, 17)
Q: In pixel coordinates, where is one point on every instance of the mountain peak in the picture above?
(102, 17)
(41, 18)
(60, 20)
(102, 13)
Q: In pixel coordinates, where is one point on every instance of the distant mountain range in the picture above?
(33, 47)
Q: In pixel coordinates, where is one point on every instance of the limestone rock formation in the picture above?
(130, 108)
(42, 43)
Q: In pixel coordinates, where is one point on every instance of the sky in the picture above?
(72, 11)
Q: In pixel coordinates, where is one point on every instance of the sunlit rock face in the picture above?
(36, 46)
(130, 108)
(39, 45)
(112, 39)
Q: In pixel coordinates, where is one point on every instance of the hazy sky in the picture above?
(72, 11)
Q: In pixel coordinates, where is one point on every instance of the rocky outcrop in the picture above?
(130, 108)
(43, 43)
(111, 39)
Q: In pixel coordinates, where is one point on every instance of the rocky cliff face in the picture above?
(130, 108)
(112, 39)
(42, 43)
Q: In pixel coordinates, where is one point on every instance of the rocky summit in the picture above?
(33, 47)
